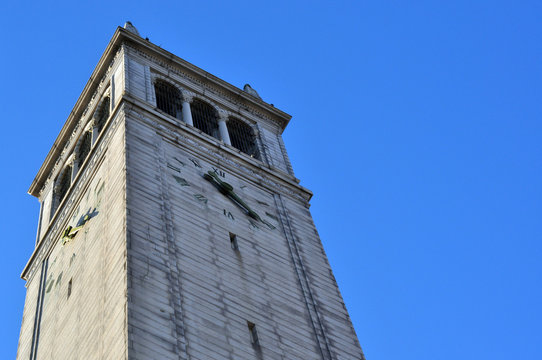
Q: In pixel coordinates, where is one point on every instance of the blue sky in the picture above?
(416, 124)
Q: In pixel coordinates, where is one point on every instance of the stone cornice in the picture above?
(79, 110)
(198, 75)
(201, 87)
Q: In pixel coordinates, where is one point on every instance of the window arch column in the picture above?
(99, 118)
(95, 130)
(185, 110)
(84, 145)
(223, 128)
(62, 184)
(74, 168)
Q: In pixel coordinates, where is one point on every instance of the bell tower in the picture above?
(172, 225)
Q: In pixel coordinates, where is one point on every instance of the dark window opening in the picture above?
(253, 334)
(168, 98)
(242, 137)
(84, 148)
(204, 117)
(233, 242)
(70, 288)
(61, 188)
(102, 114)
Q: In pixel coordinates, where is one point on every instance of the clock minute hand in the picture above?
(223, 186)
(227, 190)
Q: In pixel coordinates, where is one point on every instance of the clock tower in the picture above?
(172, 225)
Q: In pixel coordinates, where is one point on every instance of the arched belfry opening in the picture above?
(205, 117)
(168, 98)
(242, 137)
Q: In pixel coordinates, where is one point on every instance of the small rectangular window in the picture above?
(233, 242)
(253, 333)
(69, 288)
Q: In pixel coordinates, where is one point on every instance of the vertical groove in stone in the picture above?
(173, 256)
(39, 307)
(262, 147)
(316, 321)
(285, 155)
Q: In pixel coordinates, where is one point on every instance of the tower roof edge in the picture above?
(127, 35)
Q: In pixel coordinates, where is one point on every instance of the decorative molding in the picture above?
(91, 124)
(223, 114)
(69, 161)
(88, 128)
(157, 76)
(188, 96)
(249, 122)
(197, 80)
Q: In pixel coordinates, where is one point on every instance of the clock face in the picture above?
(220, 194)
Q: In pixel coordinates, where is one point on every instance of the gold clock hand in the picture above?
(70, 231)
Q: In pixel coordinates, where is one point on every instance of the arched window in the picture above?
(84, 148)
(204, 117)
(242, 137)
(168, 98)
(62, 184)
(102, 113)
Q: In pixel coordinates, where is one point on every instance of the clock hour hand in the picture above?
(227, 190)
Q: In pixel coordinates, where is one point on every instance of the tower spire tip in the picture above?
(131, 28)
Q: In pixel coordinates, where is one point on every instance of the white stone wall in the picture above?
(91, 322)
(340, 333)
(190, 294)
(29, 312)
(118, 80)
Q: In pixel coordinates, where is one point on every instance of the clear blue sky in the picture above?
(417, 124)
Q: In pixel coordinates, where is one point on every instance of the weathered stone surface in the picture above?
(152, 274)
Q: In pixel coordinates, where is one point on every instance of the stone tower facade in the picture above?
(172, 226)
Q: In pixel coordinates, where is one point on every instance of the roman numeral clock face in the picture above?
(201, 181)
